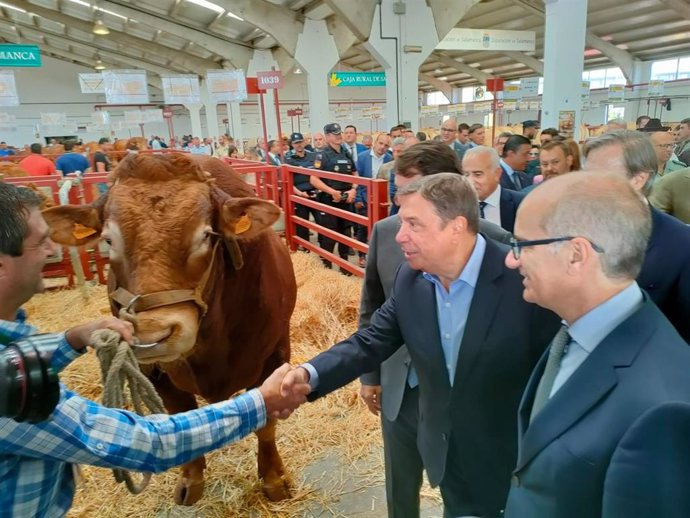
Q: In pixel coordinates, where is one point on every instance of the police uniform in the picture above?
(337, 162)
(301, 182)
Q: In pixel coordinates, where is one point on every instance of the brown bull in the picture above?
(181, 229)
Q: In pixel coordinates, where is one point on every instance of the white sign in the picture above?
(92, 83)
(655, 88)
(53, 119)
(530, 87)
(100, 118)
(488, 39)
(226, 86)
(181, 89)
(510, 106)
(535, 106)
(8, 89)
(126, 87)
(616, 93)
(584, 93)
(512, 92)
(6, 118)
(429, 110)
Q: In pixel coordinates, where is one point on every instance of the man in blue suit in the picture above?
(496, 203)
(514, 160)
(351, 144)
(471, 337)
(665, 274)
(368, 164)
(580, 243)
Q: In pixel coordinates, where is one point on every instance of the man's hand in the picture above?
(79, 337)
(371, 394)
(281, 403)
(359, 205)
(351, 195)
(336, 196)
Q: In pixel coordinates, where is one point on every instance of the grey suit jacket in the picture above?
(384, 259)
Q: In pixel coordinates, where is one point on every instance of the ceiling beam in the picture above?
(679, 6)
(447, 14)
(618, 57)
(342, 35)
(193, 64)
(236, 54)
(462, 67)
(442, 86)
(356, 15)
(529, 61)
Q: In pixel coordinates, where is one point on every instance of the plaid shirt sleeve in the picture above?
(83, 432)
(56, 347)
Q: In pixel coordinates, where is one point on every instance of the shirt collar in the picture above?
(13, 331)
(507, 168)
(592, 327)
(494, 199)
(470, 273)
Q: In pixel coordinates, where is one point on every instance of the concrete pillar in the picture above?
(564, 46)
(211, 113)
(236, 130)
(401, 43)
(195, 116)
(317, 54)
(642, 73)
(262, 61)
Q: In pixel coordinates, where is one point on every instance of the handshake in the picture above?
(285, 390)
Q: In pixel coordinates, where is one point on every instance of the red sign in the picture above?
(495, 84)
(499, 105)
(269, 80)
(295, 113)
(167, 112)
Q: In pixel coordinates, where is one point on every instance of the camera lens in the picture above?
(29, 388)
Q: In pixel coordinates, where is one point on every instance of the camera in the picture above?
(29, 387)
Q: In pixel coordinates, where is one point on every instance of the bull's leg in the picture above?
(190, 484)
(271, 471)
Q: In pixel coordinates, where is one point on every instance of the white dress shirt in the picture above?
(492, 211)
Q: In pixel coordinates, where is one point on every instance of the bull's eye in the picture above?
(108, 240)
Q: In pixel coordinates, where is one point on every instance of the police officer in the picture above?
(298, 156)
(335, 158)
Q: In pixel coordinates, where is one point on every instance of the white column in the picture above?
(317, 55)
(195, 117)
(211, 113)
(236, 130)
(564, 47)
(401, 43)
(262, 61)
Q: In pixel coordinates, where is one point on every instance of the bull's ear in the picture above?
(74, 225)
(245, 218)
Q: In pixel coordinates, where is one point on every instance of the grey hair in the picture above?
(606, 210)
(638, 153)
(398, 141)
(619, 122)
(484, 150)
(451, 194)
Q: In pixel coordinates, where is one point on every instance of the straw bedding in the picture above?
(326, 311)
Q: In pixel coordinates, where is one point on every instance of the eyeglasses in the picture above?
(448, 130)
(664, 146)
(516, 245)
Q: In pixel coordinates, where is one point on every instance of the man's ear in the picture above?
(74, 225)
(245, 218)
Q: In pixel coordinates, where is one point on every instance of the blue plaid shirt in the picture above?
(35, 459)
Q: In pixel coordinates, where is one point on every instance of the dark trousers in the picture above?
(361, 231)
(403, 462)
(340, 225)
(303, 212)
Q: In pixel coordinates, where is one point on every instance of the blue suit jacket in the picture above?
(649, 473)
(665, 274)
(564, 453)
(471, 422)
(510, 201)
(507, 183)
(364, 170)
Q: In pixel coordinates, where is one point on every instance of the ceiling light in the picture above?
(207, 5)
(100, 28)
(233, 15)
(443, 78)
(99, 65)
(298, 70)
(8, 6)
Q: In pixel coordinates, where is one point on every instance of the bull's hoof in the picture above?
(276, 490)
(188, 491)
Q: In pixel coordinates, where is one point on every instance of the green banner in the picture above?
(339, 79)
(19, 55)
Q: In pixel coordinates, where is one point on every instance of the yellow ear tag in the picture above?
(243, 224)
(80, 231)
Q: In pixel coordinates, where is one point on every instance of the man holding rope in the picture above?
(36, 476)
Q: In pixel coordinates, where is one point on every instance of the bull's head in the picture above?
(161, 217)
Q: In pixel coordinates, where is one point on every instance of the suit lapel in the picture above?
(588, 385)
(487, 295)
(507, 207)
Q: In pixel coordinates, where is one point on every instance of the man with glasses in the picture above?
(663, 146)
(449, 132)
(615, 358)
(665, 274)
(471, 338)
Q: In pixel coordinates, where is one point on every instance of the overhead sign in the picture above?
(529, 87)
(271, 80)
(19, 55)
(126, 87)
(655, 88)
(488, 39)
(512, 92)
(616, 93)
(341, 79)
(226, 86)
(584, 93)
(181, 89)
(92, 83)
(8, 89)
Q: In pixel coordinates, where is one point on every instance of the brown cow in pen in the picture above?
(217, 290)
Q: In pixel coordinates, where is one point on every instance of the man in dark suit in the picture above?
(665, 274)
(514, 160)
(449, 132)
(351, 144)
(496, 204)
(616, 355)
(387, 390)
(444, 305)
